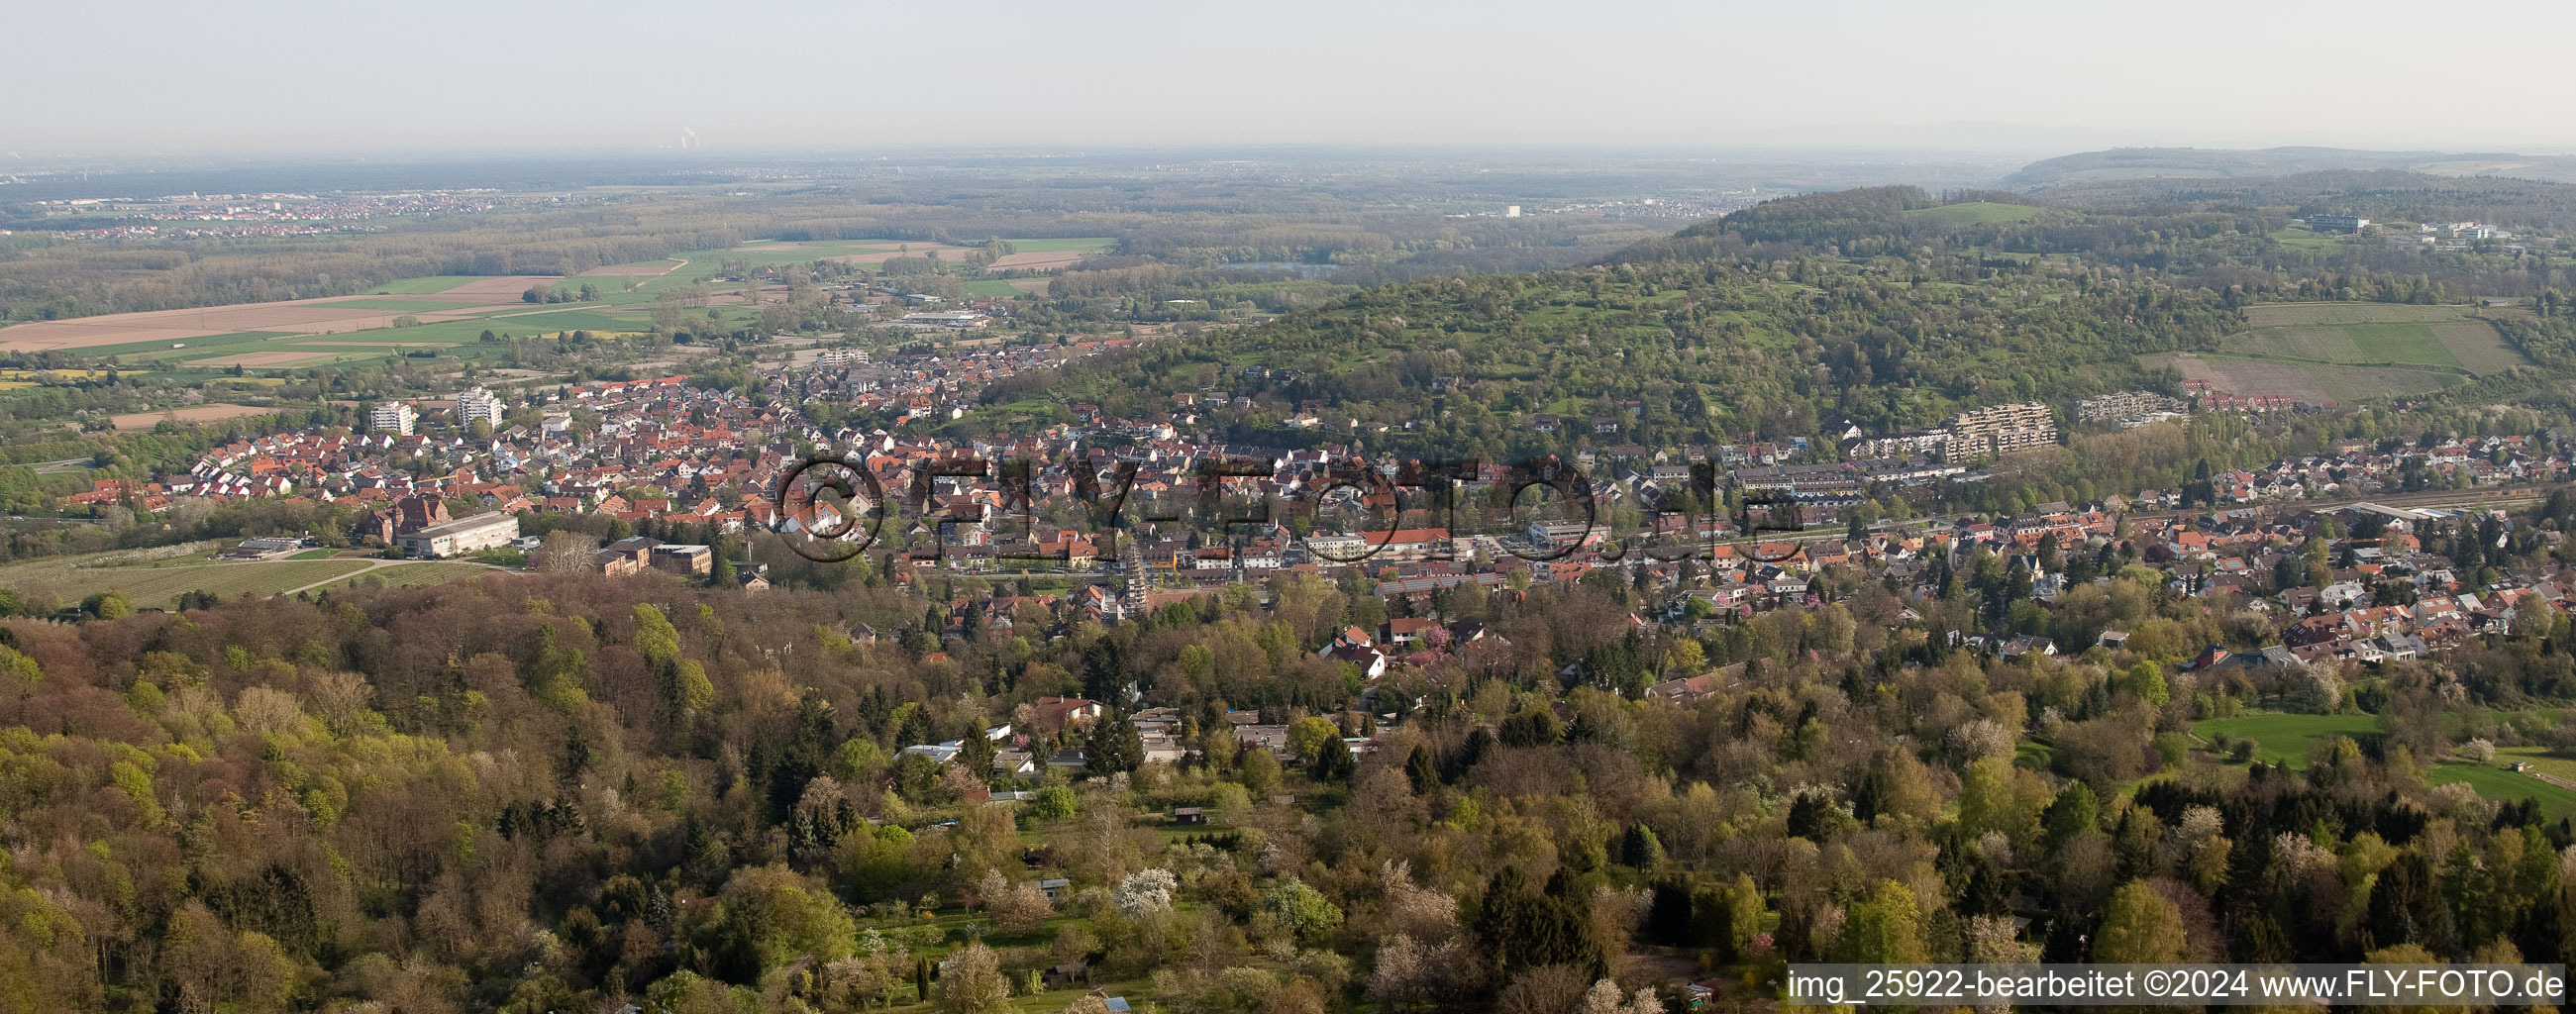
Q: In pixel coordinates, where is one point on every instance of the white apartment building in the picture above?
(394, 417)
(477, 403)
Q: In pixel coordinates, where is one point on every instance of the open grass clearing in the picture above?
(159, 584)
(2307, 241)
(420, 573)
(2500, 784)
(2284, 739)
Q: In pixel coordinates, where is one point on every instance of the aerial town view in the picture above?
(1414, 511)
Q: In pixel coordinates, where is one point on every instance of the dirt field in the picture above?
(1046, 260)
(193, 413)
(300, 316)
(1036, 285)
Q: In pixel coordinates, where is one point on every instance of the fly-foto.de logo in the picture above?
(831, 508)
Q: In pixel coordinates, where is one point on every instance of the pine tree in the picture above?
(1113, 745)
(1420, 768)
(721, 571)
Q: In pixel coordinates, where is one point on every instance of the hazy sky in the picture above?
(473, 76)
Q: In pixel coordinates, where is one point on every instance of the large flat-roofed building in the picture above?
(684, 559)
(461, 537)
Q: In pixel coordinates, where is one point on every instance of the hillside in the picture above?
(1742, 324)
(2220, 163)
(1887, 306)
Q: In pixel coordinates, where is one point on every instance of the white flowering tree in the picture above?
(1147, 891)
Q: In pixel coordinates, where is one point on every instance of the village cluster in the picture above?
(665, 450)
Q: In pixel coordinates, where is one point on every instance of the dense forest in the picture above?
(534, 794)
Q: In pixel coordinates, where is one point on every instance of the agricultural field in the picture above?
(425, 286)
(191, 414)
(127, 331)
(453, 311)
(2343, 352)
(639, 283)
(2283, 738)
(2306, 381)
(403, 305)
(2298, 314)
(268, 350)
(2366, 334)
(299, 333)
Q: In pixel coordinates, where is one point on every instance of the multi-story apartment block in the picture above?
(394, 417)
(2001, 429)
(476, 403)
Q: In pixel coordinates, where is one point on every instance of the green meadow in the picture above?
(2284, 738)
